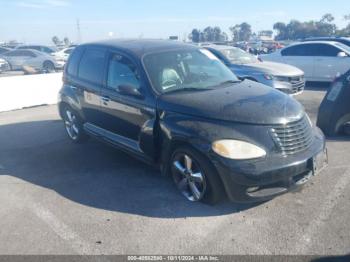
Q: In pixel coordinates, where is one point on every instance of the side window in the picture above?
(13, 53)
(73, 62)
(28, 53)
(298, 50)
(91, 65)
(326, 50)
(121, 71)
(17, 53)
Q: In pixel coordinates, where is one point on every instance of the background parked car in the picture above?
(4, 66)
(41, 48)
(18, 59)
(4, 50)
(334, 112)
(321, 61)
(285, 78)
(63, 54)
(343, 40)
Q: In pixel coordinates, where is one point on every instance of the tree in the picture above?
(241, 32)
(195, 36)
(56, 40)
(281, 29)
(235, 33)
(295, 29)
(344, 31)
(66, 41)
(209, 34)
(245, 32)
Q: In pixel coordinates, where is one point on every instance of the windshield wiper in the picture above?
(187, 89)
(229, 82)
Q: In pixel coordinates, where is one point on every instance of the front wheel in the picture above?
(73, 126)
(195, 177)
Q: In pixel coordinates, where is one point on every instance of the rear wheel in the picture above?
(49, 67)
(73, 126)
(195, 177)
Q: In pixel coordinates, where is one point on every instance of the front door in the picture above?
(128, 119)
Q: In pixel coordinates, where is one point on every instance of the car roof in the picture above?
(31, 50)
(335, 38)
(221, 47)
(316, 42)
(140, 47)
(21, 46)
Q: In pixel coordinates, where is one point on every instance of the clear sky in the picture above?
(38, 20)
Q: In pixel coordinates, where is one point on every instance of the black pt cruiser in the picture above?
(178, 107)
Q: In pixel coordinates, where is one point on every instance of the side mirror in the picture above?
(129, 90)
(342, 54)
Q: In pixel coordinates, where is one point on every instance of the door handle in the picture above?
(105, 99)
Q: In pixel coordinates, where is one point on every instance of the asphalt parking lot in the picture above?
(61, 198)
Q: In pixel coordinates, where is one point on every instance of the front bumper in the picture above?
(294, 85)
(59, 64)
(263, 179)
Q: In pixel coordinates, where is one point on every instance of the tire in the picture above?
(195, 177)
(73, 125)
(49, 67)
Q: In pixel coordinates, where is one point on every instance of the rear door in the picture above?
(17, 58)
(85, 77)
(32, 60)
(301, 57)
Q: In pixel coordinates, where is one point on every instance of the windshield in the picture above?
(238, 56)
(187, 69)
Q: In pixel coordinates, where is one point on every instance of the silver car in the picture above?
(4, 66)
(27, 58)
(285, 78)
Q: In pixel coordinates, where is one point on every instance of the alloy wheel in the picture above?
(71, 125)
(188, 177)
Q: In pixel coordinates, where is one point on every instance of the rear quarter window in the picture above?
(73, 62)
(91, 67)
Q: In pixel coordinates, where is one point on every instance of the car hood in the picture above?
(245, 102)
(273, 68)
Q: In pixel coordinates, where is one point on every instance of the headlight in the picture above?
(268, 77)
(276, 78)
(238, 150)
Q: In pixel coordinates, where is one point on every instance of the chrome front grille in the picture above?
(293, 137)
(298, 84)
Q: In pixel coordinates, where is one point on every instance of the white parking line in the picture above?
(62, 230)
(329, 203)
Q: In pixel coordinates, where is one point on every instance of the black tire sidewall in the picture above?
(49, 66)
